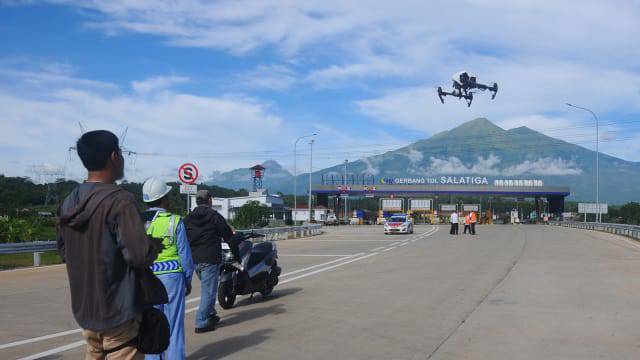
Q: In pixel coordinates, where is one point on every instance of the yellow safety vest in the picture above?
(164, 226)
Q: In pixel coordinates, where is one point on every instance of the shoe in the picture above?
(215, 319)
(205, 329)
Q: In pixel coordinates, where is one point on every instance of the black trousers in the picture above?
(467, 227)
(454, 229)
(473, 228)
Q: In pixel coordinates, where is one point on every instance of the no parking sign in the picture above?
(188, 173)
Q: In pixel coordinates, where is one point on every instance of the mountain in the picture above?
(479, 147)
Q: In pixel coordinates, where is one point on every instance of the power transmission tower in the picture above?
(48, 175)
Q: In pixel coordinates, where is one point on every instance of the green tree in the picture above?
(630, 213)
(251, 215)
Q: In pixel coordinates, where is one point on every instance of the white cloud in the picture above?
(544, 166)
(166, 128)
(157, 83)
(272, 77)
(490, 166)
(453, 165)
(371, 169)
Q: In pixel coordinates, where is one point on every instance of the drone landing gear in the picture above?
(456, 93)
(493, 89)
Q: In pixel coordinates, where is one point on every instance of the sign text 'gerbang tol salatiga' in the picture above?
(461, 180)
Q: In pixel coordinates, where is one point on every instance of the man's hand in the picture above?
(188, 290)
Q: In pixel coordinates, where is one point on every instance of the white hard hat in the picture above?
(154, 189)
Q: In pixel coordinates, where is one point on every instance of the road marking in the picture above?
(80, 343)
(395, 243)
(378, 248)
(403, 244)
(319, 255)
(346, 240)
(39, 338)
(329, 268)
(55, 350)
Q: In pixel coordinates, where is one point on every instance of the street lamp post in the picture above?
(346, 216)
(295, 174)
(599, 214)
(310, 174)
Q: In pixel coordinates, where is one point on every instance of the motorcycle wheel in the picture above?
(226, 297)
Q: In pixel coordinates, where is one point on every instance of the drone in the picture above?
(463, 84)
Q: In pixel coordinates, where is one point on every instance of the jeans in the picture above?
(208, 275)
(174, 311)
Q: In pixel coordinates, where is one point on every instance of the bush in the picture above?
(18, 230)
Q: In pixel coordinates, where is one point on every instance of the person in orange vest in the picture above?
(473, 219)
(467, 223)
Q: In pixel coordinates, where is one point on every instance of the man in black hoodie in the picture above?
(206, 229)
(102, 239)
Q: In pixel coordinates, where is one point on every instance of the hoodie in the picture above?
(101, 238)
(206, 229)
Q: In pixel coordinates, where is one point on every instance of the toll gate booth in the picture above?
(547, 198)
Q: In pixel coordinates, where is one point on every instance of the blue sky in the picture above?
(231, 83)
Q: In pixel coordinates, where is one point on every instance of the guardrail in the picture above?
(287, 232)
(271, 234)
(632, 231)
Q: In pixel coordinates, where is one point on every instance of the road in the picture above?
(510, 292)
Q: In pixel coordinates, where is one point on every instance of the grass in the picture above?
(12, 261)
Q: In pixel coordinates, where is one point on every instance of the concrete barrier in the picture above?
(631, 231)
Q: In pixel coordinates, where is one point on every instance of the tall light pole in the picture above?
(310, 174)
(598, 215)
(295, 174)
(346, 216)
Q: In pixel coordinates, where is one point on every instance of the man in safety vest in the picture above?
(467, 223)
(173, 266)
(474, 219)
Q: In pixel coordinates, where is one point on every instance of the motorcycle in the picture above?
(257, 271)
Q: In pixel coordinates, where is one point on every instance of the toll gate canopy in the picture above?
(458, 185)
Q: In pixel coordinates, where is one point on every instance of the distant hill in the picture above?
(479, 147)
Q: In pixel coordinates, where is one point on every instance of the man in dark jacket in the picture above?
(102, 239)
(206, 229)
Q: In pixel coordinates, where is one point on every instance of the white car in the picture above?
(398, 224)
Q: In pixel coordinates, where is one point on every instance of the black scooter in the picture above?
(258, 270)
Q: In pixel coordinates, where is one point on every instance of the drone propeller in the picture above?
(494, 90)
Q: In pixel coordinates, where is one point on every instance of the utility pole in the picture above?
(346, 216)
(295, 174)
(598, 214)
(310, 174)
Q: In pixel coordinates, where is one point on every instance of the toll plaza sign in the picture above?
(459, 180)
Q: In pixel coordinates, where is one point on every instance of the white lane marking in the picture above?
(316, 266)
(80, 343)
(54, 350)
(395, 243)
(39, 338)
(403, 244)
(329, 268)
(377, 249)
(318, 255)
(64, 348)
(346, 240)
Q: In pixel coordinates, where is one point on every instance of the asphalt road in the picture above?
(510, 292)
